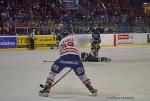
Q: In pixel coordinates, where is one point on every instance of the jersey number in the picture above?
(64, 45)
(80, 70)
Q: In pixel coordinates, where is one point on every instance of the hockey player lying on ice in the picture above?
(69, 57)
(89, 57)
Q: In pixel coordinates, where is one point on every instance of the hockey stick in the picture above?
(42, 86)
(48, 60)
(61, 78)
(106, 15)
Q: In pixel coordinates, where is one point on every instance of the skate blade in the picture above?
(43, 94)
(95, 93)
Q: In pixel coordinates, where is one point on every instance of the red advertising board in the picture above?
(123, 37)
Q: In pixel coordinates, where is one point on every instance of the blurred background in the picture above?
(19, 17)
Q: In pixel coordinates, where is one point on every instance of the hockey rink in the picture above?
(126, 78)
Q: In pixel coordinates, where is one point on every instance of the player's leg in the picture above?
(57, 43)
(79, 71)
(93, 45)
(58, 39)
(55, 69)
(95, 48)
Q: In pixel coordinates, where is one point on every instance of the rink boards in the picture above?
(46, 41)
(24, 41)
(124, 39)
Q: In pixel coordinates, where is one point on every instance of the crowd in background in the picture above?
(49, 13)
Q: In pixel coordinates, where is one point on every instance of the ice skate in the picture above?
(45, 91)
(91, 89)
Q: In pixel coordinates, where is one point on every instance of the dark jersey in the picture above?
(89, 57)
(96, 33)
(60, 34)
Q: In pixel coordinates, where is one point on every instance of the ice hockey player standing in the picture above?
(60, 33)
(69, 57)
(96, 39)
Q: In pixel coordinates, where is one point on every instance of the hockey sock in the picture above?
(85, 79)
(51, 77)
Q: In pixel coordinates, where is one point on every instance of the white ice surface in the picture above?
(128, 75)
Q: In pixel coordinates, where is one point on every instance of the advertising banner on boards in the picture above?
(23, 41)
(125, 39)
(40, 41)
(7, 42)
